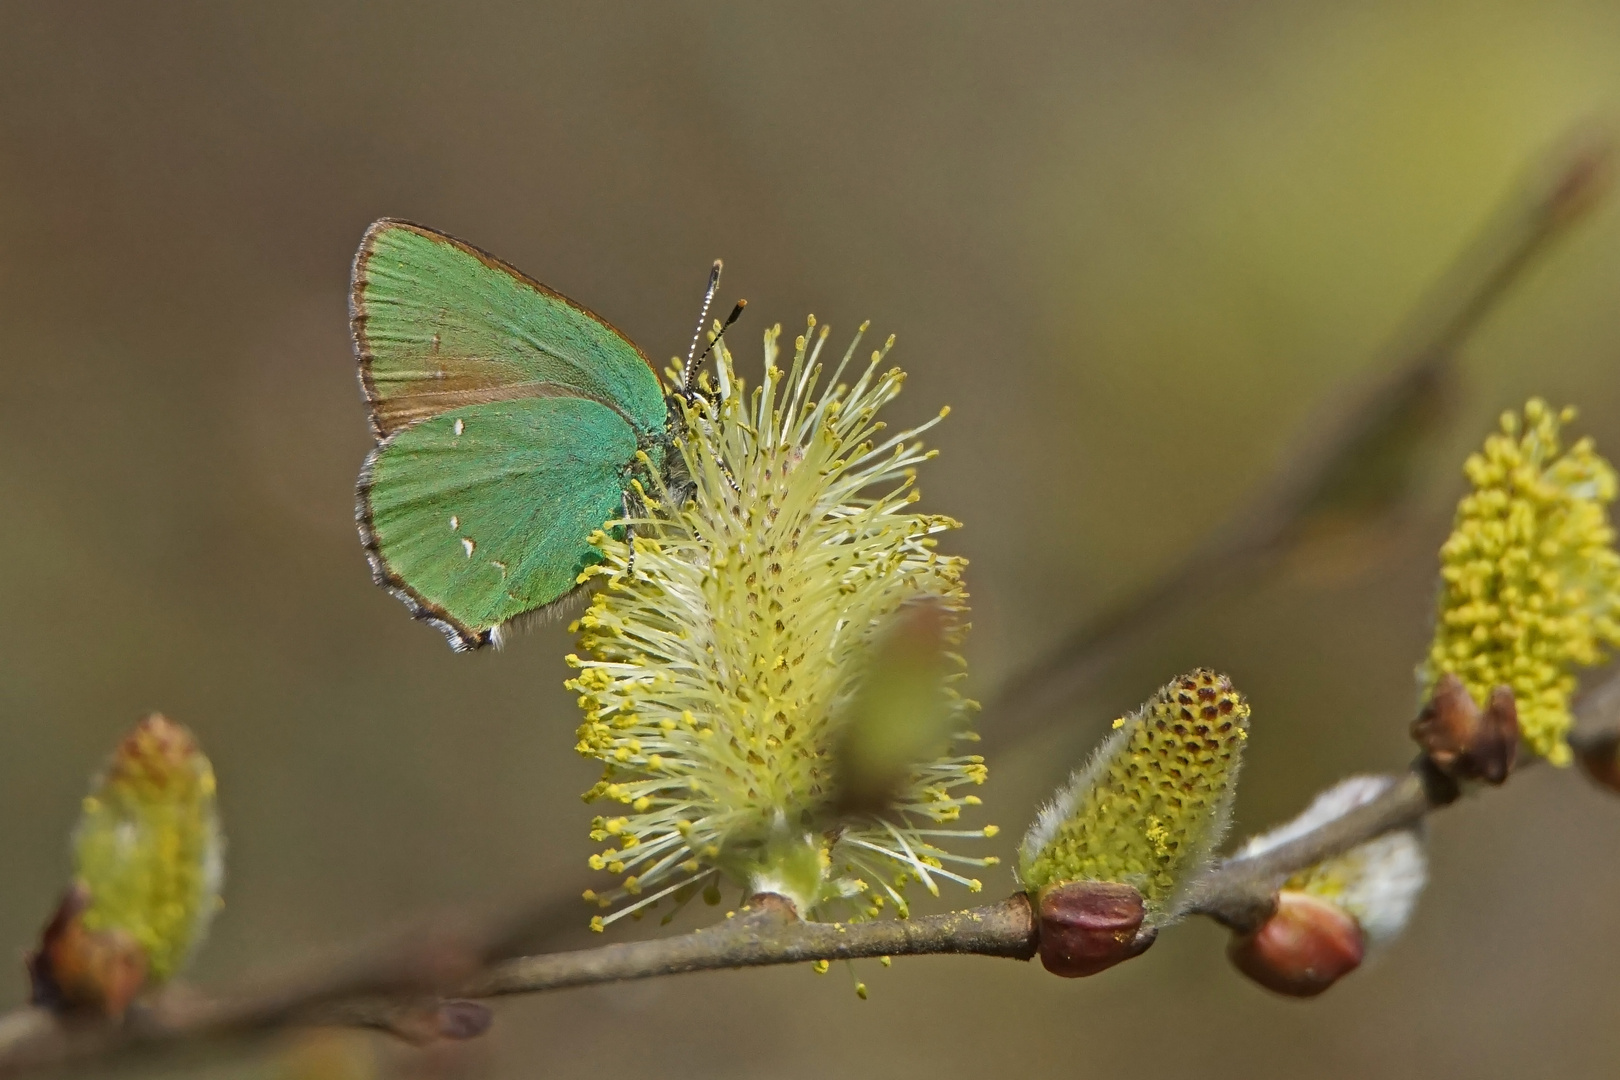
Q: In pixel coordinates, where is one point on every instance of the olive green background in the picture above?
(1137, 247)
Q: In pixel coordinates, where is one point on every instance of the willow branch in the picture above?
(1238, 893)
(769, 932)
(395, 984)
(402, 976)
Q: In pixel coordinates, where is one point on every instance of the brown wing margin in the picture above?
(358, 315)
(461, 638)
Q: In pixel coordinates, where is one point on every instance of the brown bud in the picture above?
(1089, 926)
(1599, 757)
(1303, 949)
(76, 970)
(1463, 742)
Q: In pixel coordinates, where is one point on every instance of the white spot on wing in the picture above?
(468, 545)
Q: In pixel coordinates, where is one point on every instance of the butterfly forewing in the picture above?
(439, 325)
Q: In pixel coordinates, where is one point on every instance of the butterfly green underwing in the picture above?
(510, 423)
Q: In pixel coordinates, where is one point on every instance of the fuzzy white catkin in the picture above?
(1377, 883)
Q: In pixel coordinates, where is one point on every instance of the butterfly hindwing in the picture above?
(482, 513)
(439, 325)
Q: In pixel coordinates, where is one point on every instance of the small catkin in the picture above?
(148, 848)
(1153, 802)
(1377, 883)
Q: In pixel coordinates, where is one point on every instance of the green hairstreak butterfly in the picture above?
(510, 422)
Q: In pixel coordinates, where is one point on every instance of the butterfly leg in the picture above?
(725, 470)
(629, 532)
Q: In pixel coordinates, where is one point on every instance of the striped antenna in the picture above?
(736, 312)
(692, 357)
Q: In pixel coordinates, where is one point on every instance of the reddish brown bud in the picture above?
(1463, 742)
(1089, 926)
(1303, 949)
(76, 970)
(1599, 757)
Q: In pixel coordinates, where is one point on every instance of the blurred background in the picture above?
(1140, 249)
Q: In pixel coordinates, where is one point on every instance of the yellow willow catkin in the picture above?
(1529, 576)
(148, 847)
(717, 663)
(1154, 800)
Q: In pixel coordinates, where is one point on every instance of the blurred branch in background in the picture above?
(1355, 462)
(395, 983)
